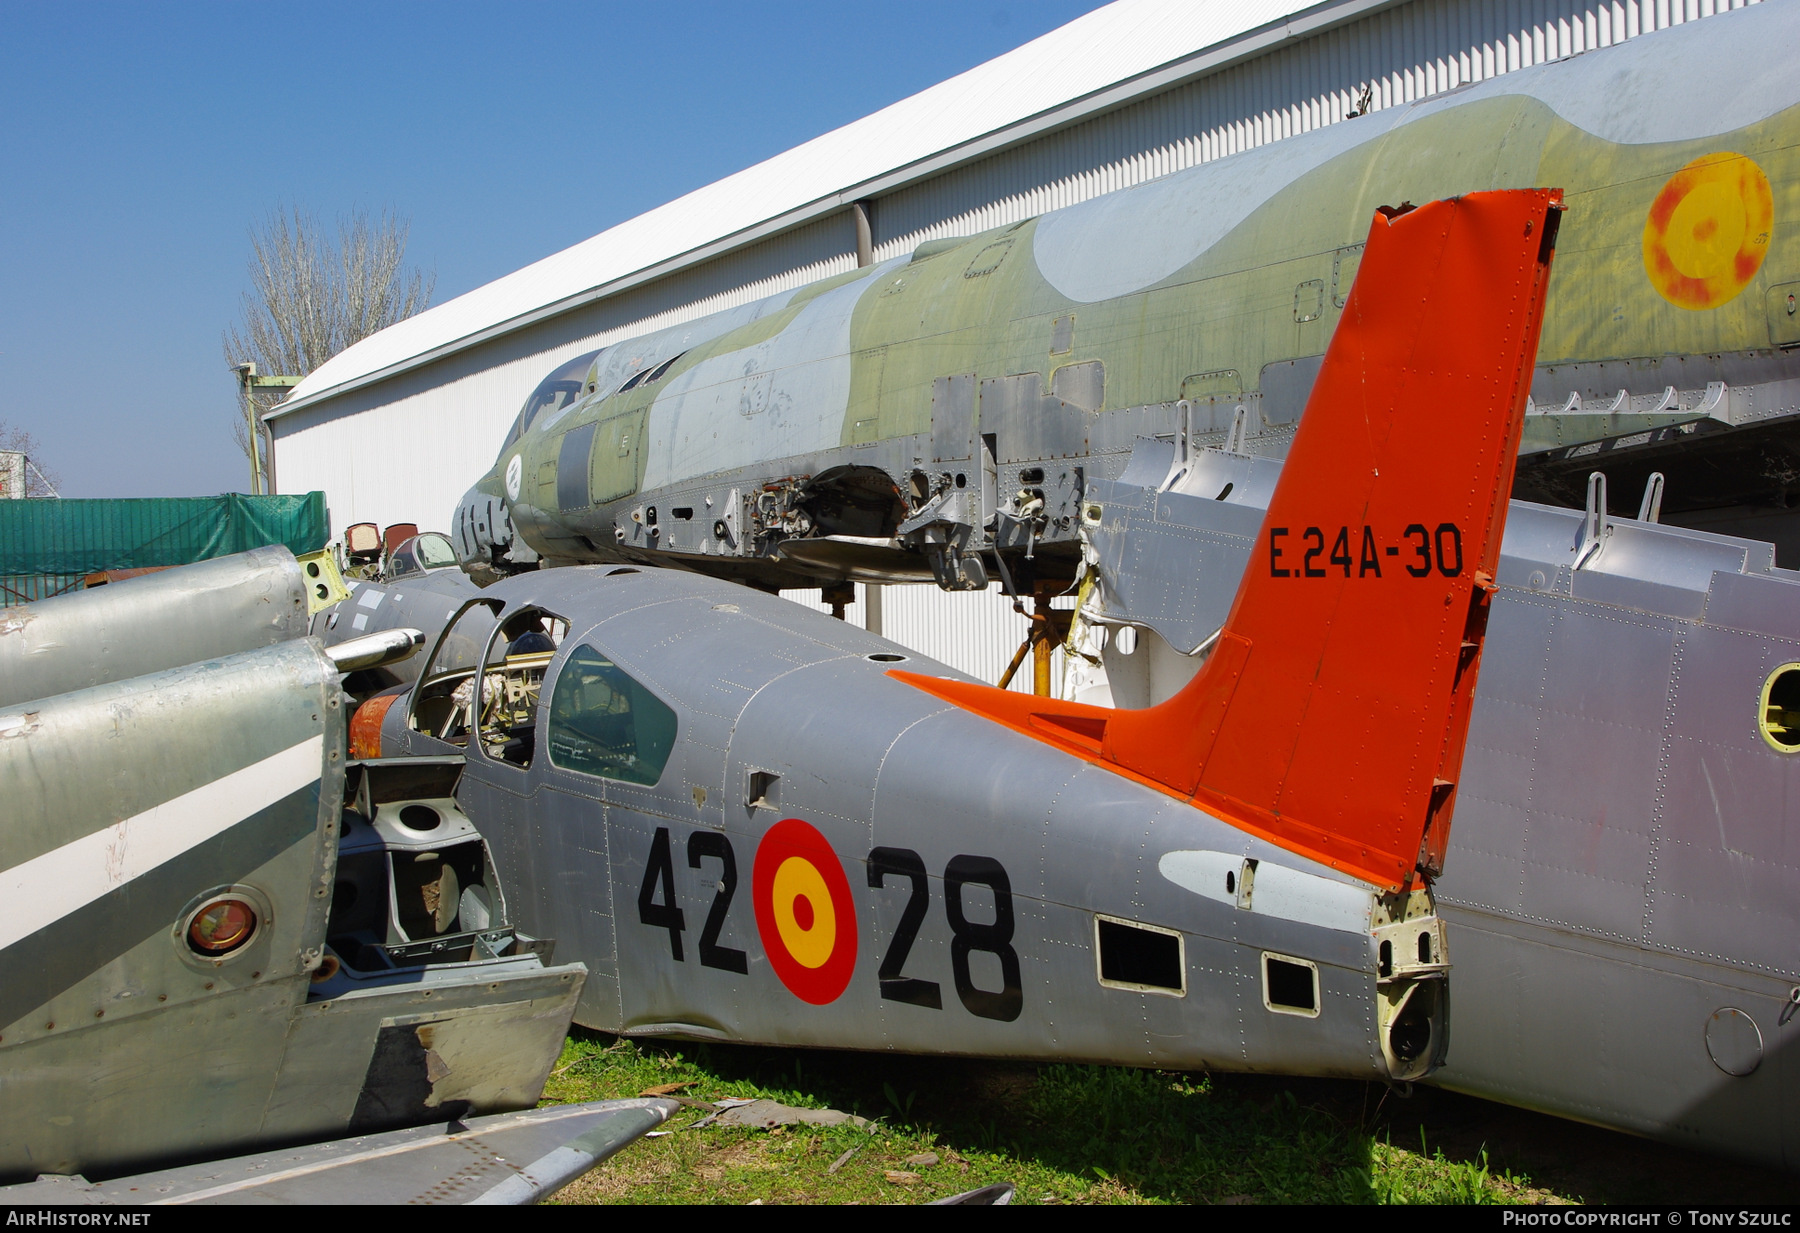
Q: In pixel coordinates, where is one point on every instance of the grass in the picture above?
(1092, 1134)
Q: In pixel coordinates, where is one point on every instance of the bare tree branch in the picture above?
(311, 296)
(16, 440)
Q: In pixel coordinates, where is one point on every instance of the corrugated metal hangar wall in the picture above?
(403, 443)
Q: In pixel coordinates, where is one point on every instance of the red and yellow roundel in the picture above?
(804, 912)
(1708, 231)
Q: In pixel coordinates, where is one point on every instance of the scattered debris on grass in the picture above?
(769, 1114)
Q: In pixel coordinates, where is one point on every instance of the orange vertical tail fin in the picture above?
(1331, 715)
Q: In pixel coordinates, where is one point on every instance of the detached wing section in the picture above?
(508, 1159)
(1331, 715)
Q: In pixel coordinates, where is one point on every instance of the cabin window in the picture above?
(602, 722)
(1290, 985)
(434, 551)
(1139, 957)
(561, 388)
(552, 396)
(422, 553)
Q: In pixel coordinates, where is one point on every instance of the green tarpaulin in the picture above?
(55, 536)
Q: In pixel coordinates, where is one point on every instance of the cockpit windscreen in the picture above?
(558, 390)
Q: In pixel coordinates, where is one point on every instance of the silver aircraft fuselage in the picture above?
(1622, 891)
(990, 871)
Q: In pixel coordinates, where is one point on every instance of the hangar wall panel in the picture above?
(1399, 56)
(976, 632)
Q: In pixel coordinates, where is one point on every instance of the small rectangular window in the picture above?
(1144, 958)
(1290, 986)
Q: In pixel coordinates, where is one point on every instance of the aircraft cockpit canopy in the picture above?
(563, 386)
(419, 555)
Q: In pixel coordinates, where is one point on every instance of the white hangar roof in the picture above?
(1096, 63)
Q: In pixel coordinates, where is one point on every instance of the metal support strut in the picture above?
(1049, 629)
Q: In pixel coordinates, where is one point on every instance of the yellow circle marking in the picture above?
(799, 877)
(1708, 231)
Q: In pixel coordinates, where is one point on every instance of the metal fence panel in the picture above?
(47, 545)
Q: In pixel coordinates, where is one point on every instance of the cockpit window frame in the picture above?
(544, 662)
(431, 675)
(408, 559)
(568, 378)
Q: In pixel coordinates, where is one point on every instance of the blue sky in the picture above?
(139, 143)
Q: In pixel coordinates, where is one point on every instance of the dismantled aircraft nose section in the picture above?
(487, 546)
(181, 863)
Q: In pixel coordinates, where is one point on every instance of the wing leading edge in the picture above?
(1331, 715)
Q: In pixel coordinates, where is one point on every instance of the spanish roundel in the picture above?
(804, 912)
(1708, 231)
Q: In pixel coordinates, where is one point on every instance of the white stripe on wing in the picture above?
(49, 887)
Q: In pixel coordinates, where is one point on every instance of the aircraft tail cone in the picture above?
(1331, 715)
